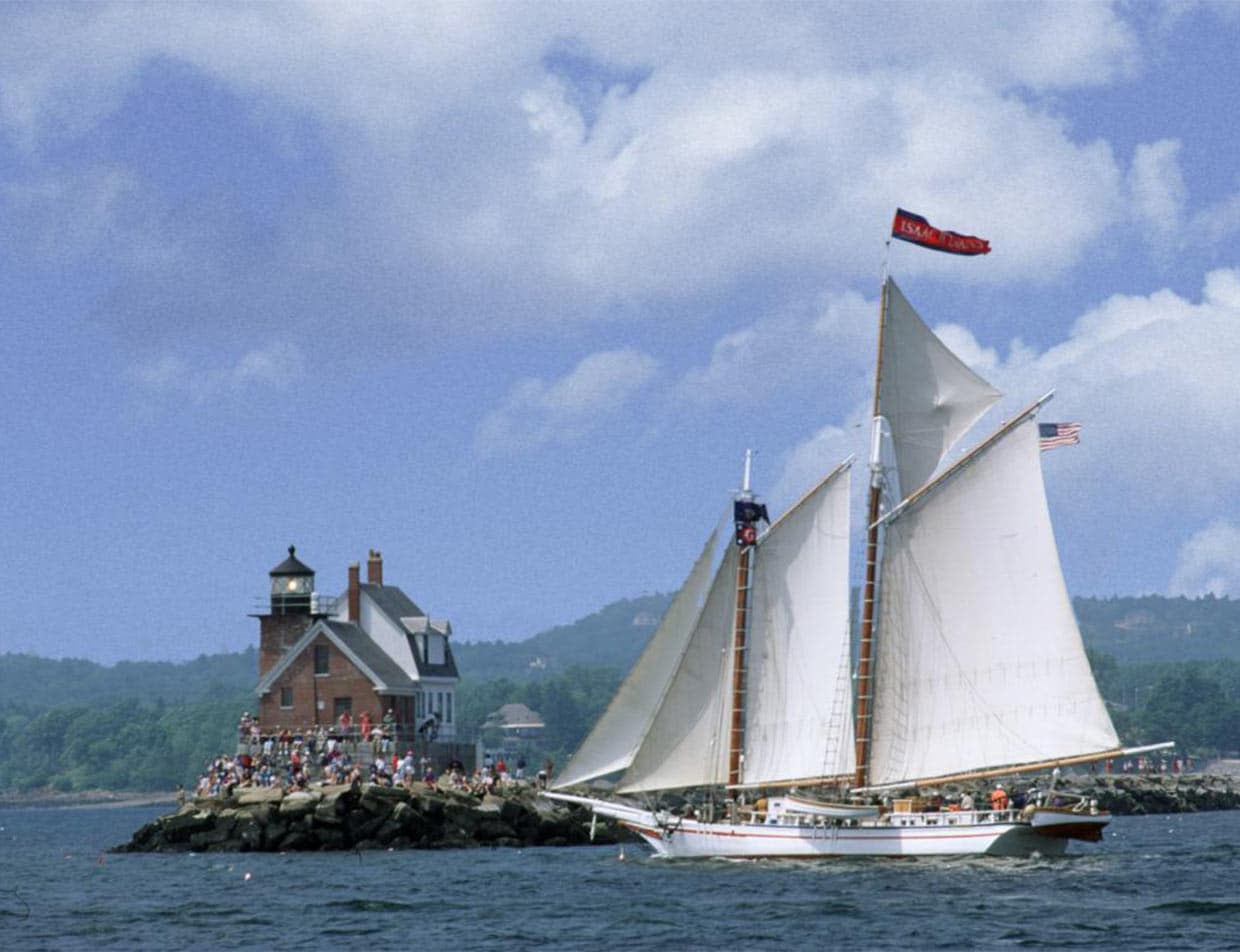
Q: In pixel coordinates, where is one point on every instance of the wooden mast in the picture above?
(740, 627)
(736, 735)
(865, 650)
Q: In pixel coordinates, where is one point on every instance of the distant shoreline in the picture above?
(84, 798)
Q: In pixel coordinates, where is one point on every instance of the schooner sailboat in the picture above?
(969, 661)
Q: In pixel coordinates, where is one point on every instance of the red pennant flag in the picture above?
(914, 228)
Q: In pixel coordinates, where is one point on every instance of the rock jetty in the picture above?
(367, 816)
(1137, 794)
(376, 817)
(1126, 795)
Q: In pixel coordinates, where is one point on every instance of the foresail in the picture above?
(980, 662)
(799, 692)
(612, 743)
(685, 744)
(927, 394)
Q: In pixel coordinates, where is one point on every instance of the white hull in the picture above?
(979, 833)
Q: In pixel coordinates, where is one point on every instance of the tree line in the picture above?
(119, 745)
(155, 744)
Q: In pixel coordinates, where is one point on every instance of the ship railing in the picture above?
(951, 817)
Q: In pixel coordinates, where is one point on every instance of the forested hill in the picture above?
(612, 637)
(1153, 628)
(1168, 668)
(27, 681)
(1130, 630)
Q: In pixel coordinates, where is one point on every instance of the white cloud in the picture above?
(1218, 221)
(1158, 192)
(276, 366)
(1151, 378)
(538, 412)
(1208, 563)
(63, 216)
(761, 141)
(691, 182)
(775, 353)
(1057, 45)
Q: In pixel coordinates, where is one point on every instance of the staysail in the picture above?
(798, 643)
(927, 394)
(685, 743)
(615, 738)
(980, 662)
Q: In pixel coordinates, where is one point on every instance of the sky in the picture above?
(505, 291)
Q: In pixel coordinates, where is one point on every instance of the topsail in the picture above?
(929, 396)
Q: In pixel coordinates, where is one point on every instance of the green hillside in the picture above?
(1168, 669)
(612, 637)
(1153, 629)
(27, 681)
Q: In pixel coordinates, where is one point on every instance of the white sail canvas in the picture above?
(980, 662)
(614, 740)
(798, 698)
(928, 395)
(686, 742)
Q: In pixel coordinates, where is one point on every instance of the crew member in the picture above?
(998, 798)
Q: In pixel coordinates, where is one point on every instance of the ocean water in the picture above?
(1162, 882)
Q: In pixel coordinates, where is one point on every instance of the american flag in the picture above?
(1051, 435)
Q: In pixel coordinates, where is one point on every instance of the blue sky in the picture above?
(506, 290)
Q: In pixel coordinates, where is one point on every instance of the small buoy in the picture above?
(247, 877)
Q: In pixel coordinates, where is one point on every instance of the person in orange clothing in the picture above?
(998, 798)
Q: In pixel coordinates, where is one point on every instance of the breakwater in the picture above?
(376, 817)
(367, 817)
(1132, 794)
(1126, 795)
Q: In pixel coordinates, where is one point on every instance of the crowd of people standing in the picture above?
(347, 753)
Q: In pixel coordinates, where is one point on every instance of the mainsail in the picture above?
(980, 662)
(615, 738)
(928, 395)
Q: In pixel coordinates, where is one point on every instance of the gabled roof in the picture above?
(384, 673)
(404, 614)
(391, 601)
(360, 645)
(516, 715)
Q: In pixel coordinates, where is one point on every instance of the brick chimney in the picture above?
(374, 568)
(355, 592)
